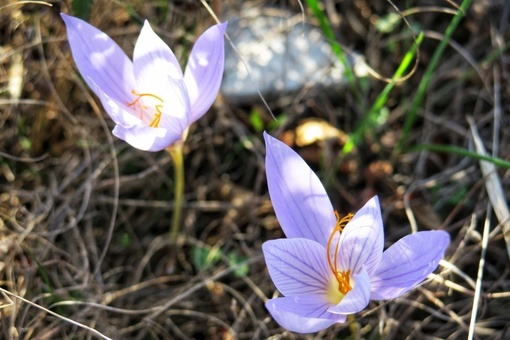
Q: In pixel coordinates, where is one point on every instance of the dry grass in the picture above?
(84, 217)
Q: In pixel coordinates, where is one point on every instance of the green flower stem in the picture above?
(175, 152)
(353, 326)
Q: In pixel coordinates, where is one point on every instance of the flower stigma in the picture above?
(342, 286)
(139, 107)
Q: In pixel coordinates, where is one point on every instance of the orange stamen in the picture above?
(157, 116)
(142, 109)
(341, 277)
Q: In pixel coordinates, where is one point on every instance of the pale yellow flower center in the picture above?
(142, 107)
(340, 285)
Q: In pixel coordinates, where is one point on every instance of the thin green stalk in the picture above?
(354, 326)
(335, 46)
(381, 100)
(424, 84)
(461, 152)
(175, 152)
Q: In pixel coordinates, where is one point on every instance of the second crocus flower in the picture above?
(330, 266)
(150, 99)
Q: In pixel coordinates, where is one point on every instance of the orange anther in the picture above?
(341, 277)
(142, 109)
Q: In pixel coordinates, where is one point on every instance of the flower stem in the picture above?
(354, 326)
(175, 152)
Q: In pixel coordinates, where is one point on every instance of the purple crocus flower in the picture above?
(150, 100)
(330, 267)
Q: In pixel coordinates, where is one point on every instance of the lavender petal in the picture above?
(204, 70)
(302, 314)
(299, 199)
(408, 262)
(297, 266)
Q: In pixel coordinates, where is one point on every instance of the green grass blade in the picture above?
(461, 152)
(335, 46)
(44, 275)
(422, 88)
(371, 117)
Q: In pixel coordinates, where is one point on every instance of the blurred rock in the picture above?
(283, 55)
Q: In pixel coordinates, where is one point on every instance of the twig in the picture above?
(92, 330)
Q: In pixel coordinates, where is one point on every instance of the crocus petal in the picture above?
(176, 106)
(117, 111)
(302, 314)
(297, 266)
(407, 263)
(147, 138)
(357, 298)
(362, 241)
(300, 201)
(204, 70)
(99, 59)
(154, 62)
(139, 134)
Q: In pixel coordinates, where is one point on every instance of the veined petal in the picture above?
(299, 199)
(204, 70)
(357, 298)
(362, 241)
(176, 106)
(147, 138)
(297, 266)
(117, 111)
(406, 263)
(154, 62)
(302, 314)
(99, 59)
